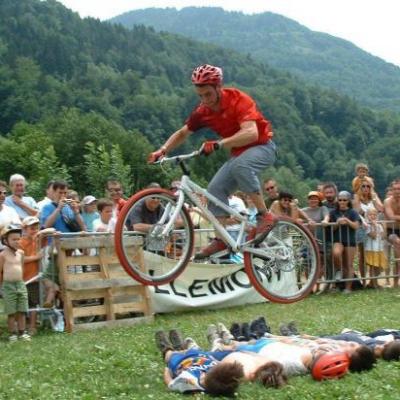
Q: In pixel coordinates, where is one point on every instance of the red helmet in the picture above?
(330, 366)
(207, 75)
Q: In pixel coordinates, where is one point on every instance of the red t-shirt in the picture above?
(236, 107)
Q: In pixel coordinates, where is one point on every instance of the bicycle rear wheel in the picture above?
(285, 265)
(165, 253)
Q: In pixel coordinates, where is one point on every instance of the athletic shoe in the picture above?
(263, 326)
(265, 223)
(212, 333)
(254, 329)
(217, 345)
(245, 331)
(235, 331)
(162, 342)
(176, 339)
(224, 333)
(189, 343)
(293, 328)
(13, 338)
(215, 246)
(284, 330)
(25, 337)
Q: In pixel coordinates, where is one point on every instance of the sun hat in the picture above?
(88, 200)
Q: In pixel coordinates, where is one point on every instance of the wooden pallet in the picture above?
(105, 296)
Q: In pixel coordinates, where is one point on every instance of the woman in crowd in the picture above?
(365, 198)
(346, 221)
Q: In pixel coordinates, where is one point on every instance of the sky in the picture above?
(372, 25)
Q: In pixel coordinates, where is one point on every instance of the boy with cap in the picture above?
(32, 246)
(89, 213)
(14, 290)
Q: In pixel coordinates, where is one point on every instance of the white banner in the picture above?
(207, 286)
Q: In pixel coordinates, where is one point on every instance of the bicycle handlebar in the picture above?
(179, 158)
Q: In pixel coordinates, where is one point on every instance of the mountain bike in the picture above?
(282, 263)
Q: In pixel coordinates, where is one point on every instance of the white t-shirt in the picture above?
(100, 226)
(238, 205)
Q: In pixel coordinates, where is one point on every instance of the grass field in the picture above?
(124, 363)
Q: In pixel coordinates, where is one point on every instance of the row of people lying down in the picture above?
(237, 357)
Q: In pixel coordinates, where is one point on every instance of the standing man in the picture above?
(25, 206)
(243, 130)
(392, 213)
(271, 191)
(61, 212)
(115, 193)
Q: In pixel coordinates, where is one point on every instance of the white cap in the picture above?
(88, 200)
(28, 221)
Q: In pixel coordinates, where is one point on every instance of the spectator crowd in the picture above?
(349, 226)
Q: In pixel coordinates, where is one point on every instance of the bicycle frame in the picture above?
(190, 189)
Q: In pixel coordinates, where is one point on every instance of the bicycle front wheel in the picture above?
(285, 265)
(153, 254)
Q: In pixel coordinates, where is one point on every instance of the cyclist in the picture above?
(234, 116)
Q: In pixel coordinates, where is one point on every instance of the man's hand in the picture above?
(155, 156)
(209, 147)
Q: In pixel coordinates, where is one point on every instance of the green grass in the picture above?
(124, 363)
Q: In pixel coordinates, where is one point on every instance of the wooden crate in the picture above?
(105, 295)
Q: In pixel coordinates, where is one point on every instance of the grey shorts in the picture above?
(15, 297)
(241, 173)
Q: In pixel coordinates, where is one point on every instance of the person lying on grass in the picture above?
(384, 343)
(219, 373)
(308, 348)
(295, 359)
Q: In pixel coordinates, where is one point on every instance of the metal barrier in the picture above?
(334, 265)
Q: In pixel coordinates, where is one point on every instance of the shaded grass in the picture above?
(124, 363)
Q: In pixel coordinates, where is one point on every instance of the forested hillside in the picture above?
(285, 44)
(85, 99)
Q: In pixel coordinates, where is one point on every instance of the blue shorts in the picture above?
(257, 346)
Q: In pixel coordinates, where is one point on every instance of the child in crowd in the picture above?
(89, 213)
(32, 243)
(362, 172)
(106, 222)
(375, 257)
(14, 290)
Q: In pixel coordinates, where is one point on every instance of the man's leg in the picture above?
(221, 186)
(245, 169)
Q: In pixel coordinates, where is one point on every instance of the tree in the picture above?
(101, 165)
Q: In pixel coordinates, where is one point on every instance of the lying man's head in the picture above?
(362, 359)
(391, 351)
(223, 379)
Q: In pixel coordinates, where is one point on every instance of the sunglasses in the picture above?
(270, 188)
(365, 186)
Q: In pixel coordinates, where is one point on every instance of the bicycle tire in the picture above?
(164, 257)
(288, 268)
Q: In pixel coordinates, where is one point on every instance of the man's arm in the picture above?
(51, 219)
(1, 267)
(167, 376)
(30, 210)
(247, 134)
(141, 227)
(176, 139)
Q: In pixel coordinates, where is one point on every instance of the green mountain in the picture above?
(284, 44)
(88, 99)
